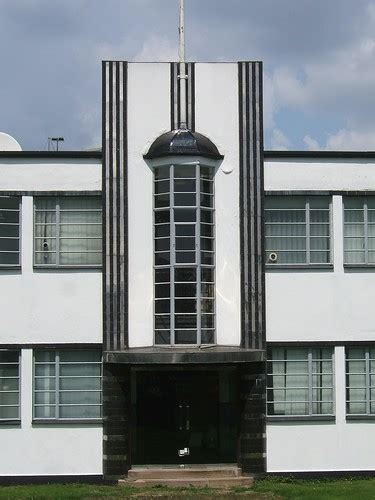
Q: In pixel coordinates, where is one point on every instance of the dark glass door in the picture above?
(184, 417)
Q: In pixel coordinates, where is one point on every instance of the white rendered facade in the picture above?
(48, 308)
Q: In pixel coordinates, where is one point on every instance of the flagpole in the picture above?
(182, 73)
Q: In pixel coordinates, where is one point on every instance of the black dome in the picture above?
(183, 142)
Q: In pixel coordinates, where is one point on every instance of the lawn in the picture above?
(266, 489)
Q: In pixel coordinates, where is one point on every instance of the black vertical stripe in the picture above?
(251, 206)
(104, 214)
(115, 217)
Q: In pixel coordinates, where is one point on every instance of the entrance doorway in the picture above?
(184, 416)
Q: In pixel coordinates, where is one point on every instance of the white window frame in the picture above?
(365, 236)
(367, 387)
(19, 211)
(307, 199)
(17, 391)
(57, 389)
(57, 236)
(310, 374)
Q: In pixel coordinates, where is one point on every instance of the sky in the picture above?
(319, 63)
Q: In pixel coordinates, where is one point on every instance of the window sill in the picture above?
(298, 266)
(361, 417)
(301, 418)
(10, 268)
(64, 421)
(62, 268)
(10, 421)
(359, 266)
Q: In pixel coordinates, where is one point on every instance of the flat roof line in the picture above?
(51, 154)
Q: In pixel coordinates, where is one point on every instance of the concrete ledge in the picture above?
(168, 356)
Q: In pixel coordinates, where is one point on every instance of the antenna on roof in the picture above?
(182, 73)
(53, 143)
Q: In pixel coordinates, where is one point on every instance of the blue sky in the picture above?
(319, 63)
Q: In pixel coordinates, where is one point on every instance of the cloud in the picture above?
(279, 141)
(344, 140)
(157, 48)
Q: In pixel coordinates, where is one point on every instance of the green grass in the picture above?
(266, 489)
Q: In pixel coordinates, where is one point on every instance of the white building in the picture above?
(140, 286)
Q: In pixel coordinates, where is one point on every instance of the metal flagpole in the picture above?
(182, 75)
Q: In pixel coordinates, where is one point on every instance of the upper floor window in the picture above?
(68, 231)
(300, 382)
(184, 255)
(359, 229)
(9, 385)
(9, 231)
(67, 384)
(298, 230)
(360, 381)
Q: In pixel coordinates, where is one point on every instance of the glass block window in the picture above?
(68, 231)
(300, 382)
(360, 381)
(9, 385)
(9, 231)
(298, 230)
(67, 384)
(359, 229)
(184, 255)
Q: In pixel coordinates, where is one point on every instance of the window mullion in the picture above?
(57, 231)
(57, 384)
(309, 367)
(368, 405)
(198, 254)
(307, 208)
(365, 219)
(172, 245)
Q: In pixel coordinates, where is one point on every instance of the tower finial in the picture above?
(181, 30)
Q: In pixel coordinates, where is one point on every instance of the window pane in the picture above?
(80, 411)
(162, 244)
(162, 187)
(185, 243)
(77, 258)
(207, 258)
(185, 186)
(162, 306)
(207, 186)
(45, 398)
(185, 336)
(184, 200)
(44, 411)
(162, 322)
(162, 259)
(185, 306)
(186, 290)
(162, 230)
(9, 412)
(185, 230)
(162, 217)
(80, 355)
(162, 291)
(11, 231)
(162, 337)
(162, 275)
(185, 215)
(185, 274)
(162, 200)
(161, 173)
(184, 171)
(80, 397)
(185, 257)
(78, 369)
(185, 321)
(208, 336)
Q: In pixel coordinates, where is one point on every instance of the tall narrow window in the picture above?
(184, 257)
(9, 231)
(360, 381)
(9, 385)
(68, 231)
(359, 230)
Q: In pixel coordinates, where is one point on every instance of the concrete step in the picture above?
(207, 472)
(218, 482)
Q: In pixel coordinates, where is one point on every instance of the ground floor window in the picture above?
(300, 382)
(9, 385)
(360, 381)
(67, 384)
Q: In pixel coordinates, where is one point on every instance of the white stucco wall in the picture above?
(43, 174)
(318, 174)
(53, 449)
(48, 306)
(148, 98)
(216, 97)
(217, 117)
(323, 446)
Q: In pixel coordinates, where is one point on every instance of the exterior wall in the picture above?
(48, 306)
(46, 175)
(321, 305)
(149, 97)
(323, 446)
(216, 96)
(47, 449)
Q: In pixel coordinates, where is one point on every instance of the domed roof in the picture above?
(183, 142)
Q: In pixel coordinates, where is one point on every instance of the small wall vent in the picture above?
(272, 257)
